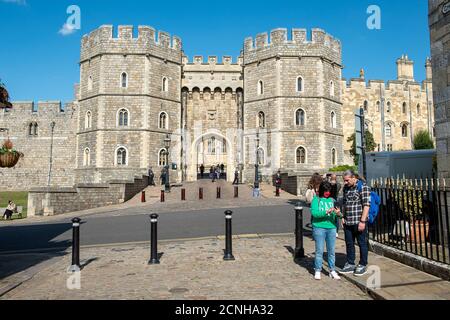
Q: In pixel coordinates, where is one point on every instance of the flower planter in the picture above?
(9, 159)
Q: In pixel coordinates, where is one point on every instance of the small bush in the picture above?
(343, 168)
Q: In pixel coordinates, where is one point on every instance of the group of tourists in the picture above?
(330, 209)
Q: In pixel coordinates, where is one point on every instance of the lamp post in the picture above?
(257, 161)
(52, 127)
(167, 142)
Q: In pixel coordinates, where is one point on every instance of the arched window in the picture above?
(418, 109)
(388, 129)
(300, 84)
(88, 120)
(300, 117)
(378, 106)
(331, 88)
(87, 157)
(124, 80)
(121, 157)
(30, 129)
(163, 158)
(404, 130)
(366, 106)
(90, 83)
(165, 84)
(388, 107)
(224, 146)
(301, 155)
(366, 126)
(261, 157)
(261, 120)
(212, 145)
(163, 121)
(404, 108)
(333, 120)
(123, 118)
(260, 87)
(33, 129)
(333, 157)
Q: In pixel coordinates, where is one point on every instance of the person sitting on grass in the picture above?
(324, 215)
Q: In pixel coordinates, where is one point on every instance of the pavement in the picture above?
(193, 269)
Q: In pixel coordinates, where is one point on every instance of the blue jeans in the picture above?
(322, 236)
(351, 232)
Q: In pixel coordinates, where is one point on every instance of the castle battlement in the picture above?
(41, 107)
(148, 41)
(392, 85)
(211, 60)
(279, 37)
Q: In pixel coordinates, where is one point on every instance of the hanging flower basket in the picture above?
(9, 156)
(4, 97)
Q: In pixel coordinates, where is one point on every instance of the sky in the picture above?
(41, 48)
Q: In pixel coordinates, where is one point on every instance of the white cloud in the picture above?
(19, 2)
(67, 29)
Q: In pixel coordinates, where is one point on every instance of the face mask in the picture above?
(327, 194)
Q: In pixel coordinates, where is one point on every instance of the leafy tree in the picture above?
(422, 140)
(370, 145)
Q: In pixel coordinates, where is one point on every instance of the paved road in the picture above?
(133, 228)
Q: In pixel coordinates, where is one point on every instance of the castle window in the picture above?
(366, 126)
(300, 84)
(388, 130)
(163, 158)
(366, 106)
(388, 107)
(87, 157)
(378, 106)
(212, 145)
(404, 108)
(260, 87)
(390, 147)
(261, 120)
(300, 117)
(332, 89)
(405, 130)
(90, 81)
(333, 120)
(165, 84)
(333, 157)
(121, 156)
(301, 155)
(163, 121)
(124, 80)
(224, 146)
(418, 109)
(261, 157)
(88, 120)
(33, 129)
(123, 118)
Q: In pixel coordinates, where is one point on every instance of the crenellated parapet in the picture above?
(320, 44)
(148, 42)
(26, 108)
(392, 85)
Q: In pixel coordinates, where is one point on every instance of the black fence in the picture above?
(413, 217)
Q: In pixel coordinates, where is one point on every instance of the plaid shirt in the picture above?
(354, 202)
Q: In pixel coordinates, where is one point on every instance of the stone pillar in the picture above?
(439, 21)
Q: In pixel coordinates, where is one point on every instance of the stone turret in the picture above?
(405, 69)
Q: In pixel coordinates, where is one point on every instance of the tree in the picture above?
(422, 140)
(370, 145)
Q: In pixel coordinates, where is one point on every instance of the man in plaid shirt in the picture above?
(356, 213)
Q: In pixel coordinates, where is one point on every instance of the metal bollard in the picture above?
(183, 194)
(163, 197)
(153, 239)
(218, 192)
(143, 196)
(299, 252)
(228, 237)
(200, 193)
(236, 192)
(75, 245)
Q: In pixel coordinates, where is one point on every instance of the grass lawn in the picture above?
(20, 198)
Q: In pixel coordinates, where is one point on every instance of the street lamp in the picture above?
(167, 142)
(257, 161)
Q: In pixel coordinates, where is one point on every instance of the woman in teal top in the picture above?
(324, 214)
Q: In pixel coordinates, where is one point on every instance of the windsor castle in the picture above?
(281, 102)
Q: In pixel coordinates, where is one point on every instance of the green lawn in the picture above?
(20, 198)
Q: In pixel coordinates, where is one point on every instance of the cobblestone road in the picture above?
(191, 270)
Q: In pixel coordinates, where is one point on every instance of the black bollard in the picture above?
(200, 193)
(183, 194)
(299, 252)
(218, 192)
(236, 192)
(143, 196)
(163, 197)
(154, 239)
(228, 237)
(75, 245)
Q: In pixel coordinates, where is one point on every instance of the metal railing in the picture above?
(413, 217)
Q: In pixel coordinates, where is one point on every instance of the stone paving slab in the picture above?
(192, 270)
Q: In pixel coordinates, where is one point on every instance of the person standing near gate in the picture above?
(278, 183)
(236, 176)
(356, 205)
(202, 170)
(151, 177)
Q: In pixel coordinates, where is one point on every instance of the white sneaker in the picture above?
(317, 275)
(337, 235)
(334, 275)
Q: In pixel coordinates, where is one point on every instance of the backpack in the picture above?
(374, 203)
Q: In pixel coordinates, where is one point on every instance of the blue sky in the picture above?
(38, 63)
